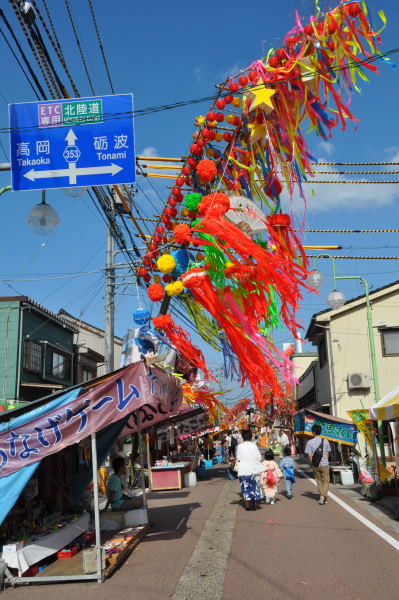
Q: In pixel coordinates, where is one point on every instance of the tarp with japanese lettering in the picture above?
(115, 398)
(335, 430)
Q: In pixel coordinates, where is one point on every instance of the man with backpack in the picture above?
(318, 450)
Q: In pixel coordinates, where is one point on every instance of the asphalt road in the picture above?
(203, 545)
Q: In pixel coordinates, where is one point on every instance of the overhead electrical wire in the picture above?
(101, 46)
(77, 40)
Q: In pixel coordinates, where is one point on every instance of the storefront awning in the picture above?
(332, 428)
(386, 409)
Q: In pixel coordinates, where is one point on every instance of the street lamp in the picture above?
(335, 300)
(43, 219)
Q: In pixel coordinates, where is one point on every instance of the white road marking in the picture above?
(385, 536)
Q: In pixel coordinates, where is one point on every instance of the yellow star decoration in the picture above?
(261, 97)
(258, 131)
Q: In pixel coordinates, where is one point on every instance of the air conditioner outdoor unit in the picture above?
(357, 381)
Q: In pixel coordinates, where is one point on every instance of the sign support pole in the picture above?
(110, 294)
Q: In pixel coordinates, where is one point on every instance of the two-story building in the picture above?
(341, 378)
(36, 350)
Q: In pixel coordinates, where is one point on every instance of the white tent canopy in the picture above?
(386, 409)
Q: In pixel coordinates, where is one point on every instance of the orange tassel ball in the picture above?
(182, 234)
(214, 205)
(155, 292)
(206, 170)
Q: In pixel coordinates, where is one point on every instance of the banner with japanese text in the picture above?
(119, 395)
(331, 429)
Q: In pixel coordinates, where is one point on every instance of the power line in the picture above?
(101, 46)
(79, 46)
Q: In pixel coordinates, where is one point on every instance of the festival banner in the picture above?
(119, 395)
(360, 418)
(335, 431)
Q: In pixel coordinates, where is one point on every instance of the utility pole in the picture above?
(110, 293)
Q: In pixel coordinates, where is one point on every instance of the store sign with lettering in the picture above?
(344, 433)
(122, 394)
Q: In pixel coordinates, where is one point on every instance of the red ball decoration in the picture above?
(332, 27)
(281, 54)
(227, 136)
(274, 62)
(157, 239)
(169, 225)
(243, 81)
(211, 116)
(147, 278)
(159, 229)
(153, 246)
(206, 170)
(353, 9)
(320, 28)
(147, 260)
(179, 181)
(228, 99)
(182, 234)
(165, 220)
(308, 29)
(252, 75)
(172, 201)
(219, 117)
(188, 180)
(192, 162)
(331, 45)
(274, 188)
(205, 134)
(166, 278)
(212, 135)
(186, 170)
(142, 271)
(176, 192)
(220, 103)
(195, 149)
(237, 121)
(233, 86)
(155, 292)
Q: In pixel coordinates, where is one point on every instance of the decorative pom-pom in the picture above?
(215, 205)
(182, 233)
(141, 316)
(162, 321)
(192, 200)
(206, 170)
(174, 289)
(155, 292)
(166, 263)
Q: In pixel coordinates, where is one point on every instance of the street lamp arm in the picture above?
(332, 258)
(6, 188)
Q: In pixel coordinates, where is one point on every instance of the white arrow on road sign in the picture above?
(71, 137)
(72, 172)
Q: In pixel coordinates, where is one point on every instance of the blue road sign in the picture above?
(76, 142)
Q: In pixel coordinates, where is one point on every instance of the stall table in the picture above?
(22, 558)
(168, 477)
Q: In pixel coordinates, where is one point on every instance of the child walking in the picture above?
(270, 477)
(287, 466)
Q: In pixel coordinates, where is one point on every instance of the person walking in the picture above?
(249, 466)
(270, 477)
(318, 450)
(287, 467)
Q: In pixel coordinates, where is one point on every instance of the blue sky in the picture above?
(169, 52)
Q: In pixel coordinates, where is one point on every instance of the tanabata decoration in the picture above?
(181, 341)
(252, 269)
(203, 396)
(155, 292)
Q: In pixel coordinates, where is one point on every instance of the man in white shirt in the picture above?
(284, 440)
(322, 470)
(249, 463)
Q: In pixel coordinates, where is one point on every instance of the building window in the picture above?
(87, 375)
(32, 356)
(322, 350)
(390, 341)
(58, 365)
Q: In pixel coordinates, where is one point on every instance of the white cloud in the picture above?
(199, 73)
(326, 147)
(149, 151)
(224, 74)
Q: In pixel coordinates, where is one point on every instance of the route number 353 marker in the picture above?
(74, 142)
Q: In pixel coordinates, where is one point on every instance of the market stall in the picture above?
(387, 409)
(102, 408)
(341, 433)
